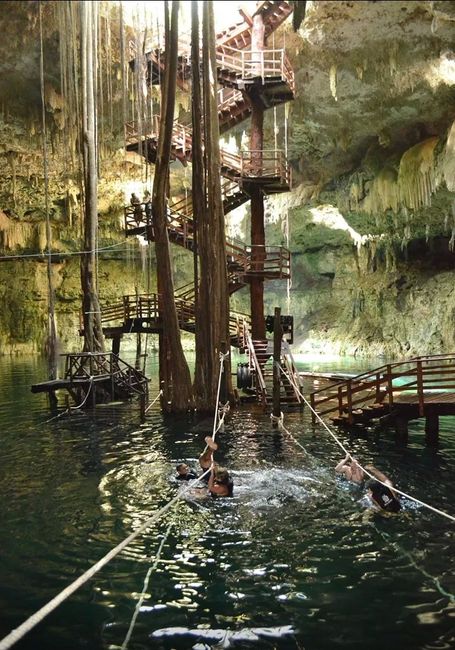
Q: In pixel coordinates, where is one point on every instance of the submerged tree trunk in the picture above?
(174, 372)
(213, 306)
(93, 332)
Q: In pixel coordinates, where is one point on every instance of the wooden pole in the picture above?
(277, 336)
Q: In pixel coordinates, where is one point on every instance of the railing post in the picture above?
(349, 399)
(420, 389)
(390, 385)
(340, 401)
(378, 389)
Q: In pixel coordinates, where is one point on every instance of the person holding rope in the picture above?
(350, 469)
(383, 498)
(219, 482)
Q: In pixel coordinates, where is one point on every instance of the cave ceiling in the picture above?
(372, 78)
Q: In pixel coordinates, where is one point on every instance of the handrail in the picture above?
(259, 376)
(253, 163)
(293, 373)
(419, 374)
(250, 64)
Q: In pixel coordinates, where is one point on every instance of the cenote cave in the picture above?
(227, 364)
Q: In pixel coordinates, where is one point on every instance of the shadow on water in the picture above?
(293, 561)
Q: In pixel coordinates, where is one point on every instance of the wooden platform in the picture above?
(398, 392)
(99, 374)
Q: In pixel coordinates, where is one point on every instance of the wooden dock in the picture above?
(102, 376)
(421, 387)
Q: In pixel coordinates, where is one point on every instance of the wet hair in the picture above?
(222, 475)
(180, 466)
(372, 484)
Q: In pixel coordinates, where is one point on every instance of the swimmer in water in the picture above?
(219, 482)
(383, 496)
(184, 473)
(351, 470)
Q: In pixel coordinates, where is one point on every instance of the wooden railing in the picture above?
(147, 307)
(418, 377)
(249, 64)
(105, 365)
(274, 260)
(265, 163)
(261, 387)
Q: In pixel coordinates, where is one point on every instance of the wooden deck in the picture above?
(422, 387)
(102, 374)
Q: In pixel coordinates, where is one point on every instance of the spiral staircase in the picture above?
(241, 73)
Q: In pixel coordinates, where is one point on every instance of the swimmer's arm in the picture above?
(206, 458)
(340, 468)
(382, 477)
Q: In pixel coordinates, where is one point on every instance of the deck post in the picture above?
(390, 385)
(116, 344)
(277, 336)
(420, 389)
(401, 430)
(378, 389)
(432, 429)
(349, 399)
(313, 408)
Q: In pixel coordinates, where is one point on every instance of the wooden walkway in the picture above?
(393, 393)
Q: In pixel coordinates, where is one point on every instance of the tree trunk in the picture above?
(174, 376)
(93, 331)
(213, 305)
(257, 198)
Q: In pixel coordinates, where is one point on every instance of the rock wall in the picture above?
(371, 218)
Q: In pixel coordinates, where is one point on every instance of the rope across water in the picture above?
(348, 453)
(18, 633)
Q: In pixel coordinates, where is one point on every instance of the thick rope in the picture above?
(346, 451)
(222, 357)
(152, 403)
(18, 633)
(73, 408)
(279, 420)
(151, 569)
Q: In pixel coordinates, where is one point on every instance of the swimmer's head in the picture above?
(182, 469)
(222, 475)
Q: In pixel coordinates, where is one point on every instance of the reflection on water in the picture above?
(291, 561)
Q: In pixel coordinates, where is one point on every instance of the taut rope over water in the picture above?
(18, 633)
(347, 452)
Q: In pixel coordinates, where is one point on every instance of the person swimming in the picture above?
(219, 481)
(351, 470)
(185, 473)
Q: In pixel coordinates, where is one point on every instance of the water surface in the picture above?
(292, 561)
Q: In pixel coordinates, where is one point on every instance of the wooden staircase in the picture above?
(245, 262)
(403, 390)
(260, 367)
(268, 77)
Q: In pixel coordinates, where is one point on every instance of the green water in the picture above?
(290, 562)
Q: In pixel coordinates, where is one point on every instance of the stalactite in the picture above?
(417, 176)
(333, 81)
(383, 194)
